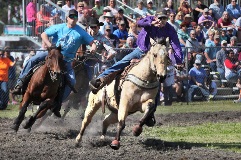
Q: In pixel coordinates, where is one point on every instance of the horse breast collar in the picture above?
(141, 83)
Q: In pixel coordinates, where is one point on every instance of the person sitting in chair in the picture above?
(69, 36)
(153, 27)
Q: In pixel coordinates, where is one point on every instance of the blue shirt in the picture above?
(121, 34)
(149, 31)
(69, 39)
(234, 12)
(217, 10)
(198, 74)
(211, 49)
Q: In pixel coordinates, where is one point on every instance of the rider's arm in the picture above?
(145, 22)
(45, 39)
(174, 41)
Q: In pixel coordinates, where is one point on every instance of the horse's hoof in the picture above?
(137, 130)
(115, 145)
(15, 127)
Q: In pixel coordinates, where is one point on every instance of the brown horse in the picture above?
(42, 88)
(139, 89)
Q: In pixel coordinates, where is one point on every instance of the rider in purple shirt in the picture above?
(153, 27)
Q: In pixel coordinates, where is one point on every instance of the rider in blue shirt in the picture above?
(69, 36)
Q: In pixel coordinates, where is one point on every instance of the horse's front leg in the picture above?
(93, 105)
(23, 109)
(148, 107)
(122, 114)
(41, 110)
(109, 119)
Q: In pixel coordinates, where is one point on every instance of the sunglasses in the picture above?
(72, 16)
(162, 18)
(93, 27)
(198, 64)
(108, 30)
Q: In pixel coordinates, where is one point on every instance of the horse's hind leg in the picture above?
(32, 119)
(89, 113)
(23, 108)
(149, 105)
(109, 119)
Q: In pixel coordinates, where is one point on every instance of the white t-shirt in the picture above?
(170, 76)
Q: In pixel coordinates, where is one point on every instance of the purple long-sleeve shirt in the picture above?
(149, 31)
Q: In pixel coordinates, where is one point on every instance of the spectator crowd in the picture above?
(208, 35)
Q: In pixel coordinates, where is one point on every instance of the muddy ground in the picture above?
(55, 140)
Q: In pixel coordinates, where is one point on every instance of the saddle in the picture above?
(118, 86)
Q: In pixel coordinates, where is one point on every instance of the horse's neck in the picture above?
(143, 70)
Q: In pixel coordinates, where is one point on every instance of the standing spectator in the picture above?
(150, 8)
(205, 18)
(198, 81)
(234, 10)
(112, 7)
(121, 33)
(167, 85)
(140, 9)
(68, 5)
(172, 21)
(184, 7)
(220, 58)
(217, 9)
(42, 20)
(31, 12)
(80, 9)
(5, 64)
(210, 52)
(98, 8)
(197, 12)
(232, 67)
(11, 75)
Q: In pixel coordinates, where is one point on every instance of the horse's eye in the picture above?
(155, 55)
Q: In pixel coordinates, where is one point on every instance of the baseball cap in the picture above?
(107, 27)
(224, 42)
(81, 4)
(148, 1)
(122, 22)
(59, 3)
(197, 61)
(73, 12)
(161, 16)
(205, 10)
(140, 1)
(106, 9)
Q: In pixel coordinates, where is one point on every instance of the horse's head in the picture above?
(159, 59)
(55, 62)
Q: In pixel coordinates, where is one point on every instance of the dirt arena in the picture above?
(54, 140)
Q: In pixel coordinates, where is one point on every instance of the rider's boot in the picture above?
(97, 84)
(18, 88)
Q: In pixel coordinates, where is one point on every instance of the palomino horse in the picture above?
(42, 88)
(139, 89)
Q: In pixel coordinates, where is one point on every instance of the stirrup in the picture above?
(95, 86)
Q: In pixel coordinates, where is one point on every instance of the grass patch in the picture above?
(213, 106)
(213, 135)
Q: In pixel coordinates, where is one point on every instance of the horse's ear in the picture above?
(161, 40)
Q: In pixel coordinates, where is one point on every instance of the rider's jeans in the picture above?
(124, 62)
(41, 57)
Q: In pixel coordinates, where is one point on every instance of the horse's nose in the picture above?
(161, 78)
